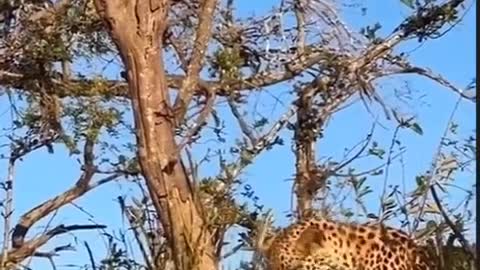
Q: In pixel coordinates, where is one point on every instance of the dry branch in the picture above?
(458, 234)
(30, 247)
(204, 32)
(82, 186)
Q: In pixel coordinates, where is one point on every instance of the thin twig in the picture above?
(241, 122)
(364, 146)
(387, 170)
(200, 121)
(203, 35)
(134, 222)
(408, 68)
(436, 160)
(90, 255)
(370, 170)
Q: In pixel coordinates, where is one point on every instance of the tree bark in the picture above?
(310, 177)
(305, 186)
(136, 28)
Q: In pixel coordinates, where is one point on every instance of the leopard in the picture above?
(323, 244)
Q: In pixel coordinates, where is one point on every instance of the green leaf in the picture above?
(364, 192)
(377, 152)
(408, 3)
(122, 159)
(420, 180)
(348, 213)
(416, 128)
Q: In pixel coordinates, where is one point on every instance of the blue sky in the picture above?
(41, 176)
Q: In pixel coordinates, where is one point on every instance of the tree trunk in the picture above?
(305, 156)
(136, 28)
(309, 178)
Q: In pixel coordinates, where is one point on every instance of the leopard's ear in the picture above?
(265, 234)
(309, 240)
(265, 245)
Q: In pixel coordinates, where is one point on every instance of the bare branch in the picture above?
(200, 121)
(137, 228)
(47, 207)
(30, 247)
(262, 143)
(204, 33)
(81, 187)
(359, 152)
(90, 255)
(241, 122)
(368, 171)
(408, 68)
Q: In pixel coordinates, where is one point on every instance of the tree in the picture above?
(220, 58)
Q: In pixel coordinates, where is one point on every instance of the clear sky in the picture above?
(41, 175)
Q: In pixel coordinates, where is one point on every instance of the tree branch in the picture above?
(204, 33)
(30, 247)
(406, 68)
(458, 234)
(81, 187)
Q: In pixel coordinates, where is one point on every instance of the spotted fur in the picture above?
(316, 244)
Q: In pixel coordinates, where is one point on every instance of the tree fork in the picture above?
(136, 28)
